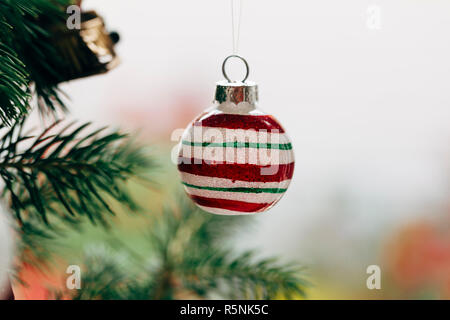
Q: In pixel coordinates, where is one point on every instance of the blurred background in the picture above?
(361, 88)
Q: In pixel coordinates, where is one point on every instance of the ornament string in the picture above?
(236, 29)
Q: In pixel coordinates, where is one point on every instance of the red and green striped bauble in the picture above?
(235, 160)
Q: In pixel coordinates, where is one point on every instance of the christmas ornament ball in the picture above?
(235, 159)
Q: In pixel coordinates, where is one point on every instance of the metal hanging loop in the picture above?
(243, 60)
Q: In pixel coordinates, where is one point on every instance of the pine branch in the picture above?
(69, 174)
(27, 56)
(105, 278)
(187, 262)
(190, 245)
(241, 277)
(13, 80)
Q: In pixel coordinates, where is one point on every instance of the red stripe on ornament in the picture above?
(239, 121)
(233, 205)
(236, 171)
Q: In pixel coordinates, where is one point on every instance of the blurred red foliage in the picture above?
(419, 257)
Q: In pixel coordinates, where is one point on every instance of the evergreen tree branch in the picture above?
(28, 58)
(185, 262)
(13, 80)
(67, 174)
(190, 247)
(240, 277)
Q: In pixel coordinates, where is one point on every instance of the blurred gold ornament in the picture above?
(86, 51)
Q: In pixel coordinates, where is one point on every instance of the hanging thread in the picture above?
(236, 30)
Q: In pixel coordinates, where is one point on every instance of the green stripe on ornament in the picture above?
(283, 146)
(238, 189)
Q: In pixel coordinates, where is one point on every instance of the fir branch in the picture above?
(27, 56)
(190, 245)
(13, 83)
(239, 277)
(186, 262)
(69, 174)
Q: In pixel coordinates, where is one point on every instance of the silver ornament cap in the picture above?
(236, 91)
